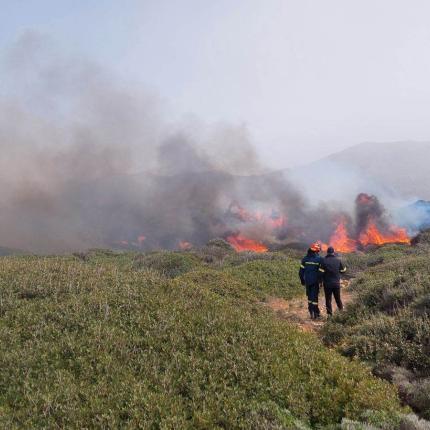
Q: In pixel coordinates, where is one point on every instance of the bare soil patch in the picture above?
(296, 310)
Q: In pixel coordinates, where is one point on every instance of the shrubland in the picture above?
(171, 340)
(388, 324)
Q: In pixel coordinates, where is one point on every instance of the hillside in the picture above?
(171, 340)
(388, 324)
(401, 167)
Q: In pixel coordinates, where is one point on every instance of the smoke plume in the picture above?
(89, 160)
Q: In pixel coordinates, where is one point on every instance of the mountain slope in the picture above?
(399, 166)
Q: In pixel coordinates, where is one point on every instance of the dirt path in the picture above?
(296, 310)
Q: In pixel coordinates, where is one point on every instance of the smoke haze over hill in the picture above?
(75, 141)
(72, 137)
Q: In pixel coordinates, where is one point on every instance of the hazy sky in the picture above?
(307, 77)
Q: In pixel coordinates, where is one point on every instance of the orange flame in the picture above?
(183, 244)
(340, 240)
(242, 243)
(240, 213)
(275, 222)
(323, 246)
(372, 236)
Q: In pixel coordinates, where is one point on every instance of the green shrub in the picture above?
(372, 420)
(219, 282)
(360, 261)
(275, 277)
(418, 397)
(169, 264)
(239, 258)
(211, 255)
(220, 243)
(412, 422)
(108, 346)
(389, 322)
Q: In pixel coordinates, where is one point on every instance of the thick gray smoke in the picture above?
(91, 161)
(74, 143)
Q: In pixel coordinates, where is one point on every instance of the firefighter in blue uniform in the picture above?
(310, 274)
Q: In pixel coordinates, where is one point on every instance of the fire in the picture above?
(258, 225)
(268, 222)
(340, 240)
(273, 220)
(373, 236)
(323, 246)
(370, 235)
(240, 213)
(242, 243)
(183, 244)
(277, 221)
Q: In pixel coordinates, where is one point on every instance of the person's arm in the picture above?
(302, 273)
(342, 267)
(321, 271)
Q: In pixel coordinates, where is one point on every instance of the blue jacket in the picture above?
(311, 270)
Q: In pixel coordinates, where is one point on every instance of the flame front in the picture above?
(242, 243)
(373, 236)
(340, 240)
(184, 245)
(257, 228)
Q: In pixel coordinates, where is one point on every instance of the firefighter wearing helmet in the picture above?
(310, 274)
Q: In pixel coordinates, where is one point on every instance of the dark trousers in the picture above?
(312, 292)
(329, 291)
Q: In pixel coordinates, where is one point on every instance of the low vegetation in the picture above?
(171, 340)
(388, 325)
